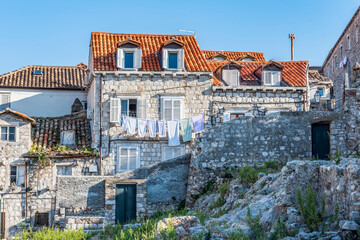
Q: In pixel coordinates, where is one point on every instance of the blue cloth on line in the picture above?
(186, 129)
(198, 123)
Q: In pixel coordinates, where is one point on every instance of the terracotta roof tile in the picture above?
(18, 114)
(104, 47)
(315, 75)
(47, 131)
(52, 77)
(294, 72)
(234, 55)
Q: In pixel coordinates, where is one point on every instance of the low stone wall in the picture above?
(86, 223)
(159, 187)
(251, 140)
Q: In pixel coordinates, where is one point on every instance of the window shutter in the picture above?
(114, 110)
(20, 175)
(5, 101)
(164, 59)
(176, 109)
(137, 58)
(120, 58)
(167, 109)
(132, 158)
(230, 77)
(141, 108)
(267, 78)
(181, 59)
(277, 78)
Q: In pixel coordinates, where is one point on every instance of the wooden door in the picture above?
(125, 208)
(2, 225)
(320, 141)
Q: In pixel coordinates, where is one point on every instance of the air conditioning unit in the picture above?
(90, 113)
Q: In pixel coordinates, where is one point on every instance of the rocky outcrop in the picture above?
(273, 197)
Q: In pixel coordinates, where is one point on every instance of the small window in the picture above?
(272, 78)
(173, 60)
(321, 91)
(247, 60)
(341, 53)
(171, 109)
(64, 170)
(231, 77)
(4, 101)
(335, 59)
(17, 175)
(236, 115)
(37, 73)
(41, 219)
(67, 138)
(129, 107)
(348, 42)
(128, 158)
(357, 34)
(219, 58)
(8, 134)
(172, 152)
(129, 60)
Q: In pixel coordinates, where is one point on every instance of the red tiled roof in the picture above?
(293, 73)
(234, 55)
(104, 47)
(18, 114)
(47, 131)
(52, 77)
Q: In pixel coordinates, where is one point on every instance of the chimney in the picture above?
(292, 37)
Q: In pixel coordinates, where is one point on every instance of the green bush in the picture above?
(52, 234)
(307, 207)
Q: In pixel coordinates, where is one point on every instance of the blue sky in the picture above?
(58, 32)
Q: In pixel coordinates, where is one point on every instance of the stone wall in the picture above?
(159, 187)
(338, 75)
(194, 90)
(251, 140)
(243, 99)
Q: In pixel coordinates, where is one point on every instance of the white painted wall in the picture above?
(43, 103)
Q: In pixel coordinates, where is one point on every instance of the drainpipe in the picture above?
(100, 123)
(26, 189)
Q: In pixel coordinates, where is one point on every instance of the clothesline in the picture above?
(188, 126)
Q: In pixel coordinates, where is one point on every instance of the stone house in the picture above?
(342, 58)
(43, 91)
(150, 77)
(245, 84)
(34, 152)
(322, 85)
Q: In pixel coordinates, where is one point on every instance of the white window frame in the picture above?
(129, 50)
(136, 58)
(8, 133)
(62, 170)
(128, 105)
(180, 58)
(164, 148)
(67, 132)
(20, 174)
(272, 78)
(127, 146)
(140, 103)
(172, 99)
(9, 100)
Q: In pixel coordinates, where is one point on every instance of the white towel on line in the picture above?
(162, 129)
(173, 133)
(141, 127)
(152, 128)
(131, 125)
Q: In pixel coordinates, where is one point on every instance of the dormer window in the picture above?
(173, 55)
(218, 57)
(173, 60)
(230, 74)
(246, 58)
(129, 55)
(128, 59)
(272, 78)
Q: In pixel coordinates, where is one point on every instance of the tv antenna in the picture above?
(187, 31)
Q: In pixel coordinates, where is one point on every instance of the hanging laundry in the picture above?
(141, 127)
(121, 120)
(173, 133)
(162, 128)
(152, 128)
(186, 129)
(124, 124)
(131, 125)
(198, 123)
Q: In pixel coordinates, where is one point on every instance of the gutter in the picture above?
(100, 123)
